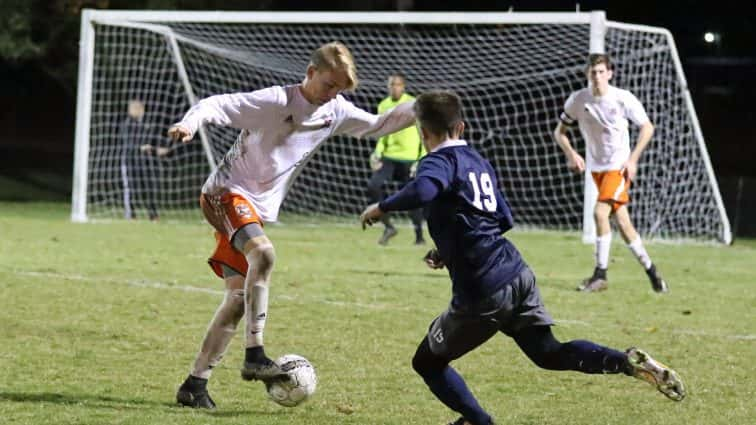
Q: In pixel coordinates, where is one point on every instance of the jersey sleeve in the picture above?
(437, 168)
(237, 110)
(434, 176)
(634, 110)
(414, 194)
(359, 123)
(571, 110)
(380, 145)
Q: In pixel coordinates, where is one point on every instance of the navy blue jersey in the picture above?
(467, 219)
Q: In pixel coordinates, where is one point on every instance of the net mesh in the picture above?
(513, 80)
(673, 195)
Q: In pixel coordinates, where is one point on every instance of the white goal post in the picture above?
(514, 70)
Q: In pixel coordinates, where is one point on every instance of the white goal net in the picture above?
(513, 71)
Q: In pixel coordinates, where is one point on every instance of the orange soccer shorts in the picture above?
(612, 187)
(227, 213)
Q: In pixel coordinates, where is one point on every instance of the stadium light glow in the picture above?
(710, 37)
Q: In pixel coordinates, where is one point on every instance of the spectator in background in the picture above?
(139, 167)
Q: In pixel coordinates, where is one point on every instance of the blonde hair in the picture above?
(335, 55)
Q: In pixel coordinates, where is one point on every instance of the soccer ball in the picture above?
(299, 383)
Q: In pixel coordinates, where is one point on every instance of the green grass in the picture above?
(100, 323)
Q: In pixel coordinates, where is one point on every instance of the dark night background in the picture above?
(39, 58)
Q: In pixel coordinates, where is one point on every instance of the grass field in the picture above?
(100, 323)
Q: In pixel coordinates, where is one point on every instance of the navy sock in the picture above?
(539, 344)
(588, 357)
(451, 389)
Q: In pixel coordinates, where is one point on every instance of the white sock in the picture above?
(603, 245)
(640, 253)
(256, 311)
(219, 334)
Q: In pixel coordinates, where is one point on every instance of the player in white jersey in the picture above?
(602, 112)
(281, 127)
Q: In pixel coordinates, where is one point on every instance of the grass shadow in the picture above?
(386, 273)
(109, 402)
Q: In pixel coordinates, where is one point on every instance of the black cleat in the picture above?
(264, 370)
(657, 282)
(193, 393)
(596, 283)
(593, 285)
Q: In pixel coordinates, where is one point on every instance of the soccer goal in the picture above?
(513, 71)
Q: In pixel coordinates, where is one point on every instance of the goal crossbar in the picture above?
(160, 22)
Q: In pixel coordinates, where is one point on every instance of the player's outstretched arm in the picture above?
(359, 123)
(415, 194)
(237, 110)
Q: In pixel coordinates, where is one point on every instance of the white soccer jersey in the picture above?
(280, 130)
(603, 123)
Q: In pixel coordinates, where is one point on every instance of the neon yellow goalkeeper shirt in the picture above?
(404, 145)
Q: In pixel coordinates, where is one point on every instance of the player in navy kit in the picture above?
(493, 289)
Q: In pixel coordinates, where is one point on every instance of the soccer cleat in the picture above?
(194, 396)
(656, 373)
(593, 284)
(388, 233)
(657, 282)
(264, 370)
(419, 241)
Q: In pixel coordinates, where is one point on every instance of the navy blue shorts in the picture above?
(516, 306)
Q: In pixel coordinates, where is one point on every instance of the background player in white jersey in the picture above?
(281, 127)
(602, 112)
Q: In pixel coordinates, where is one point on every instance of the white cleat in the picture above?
(656, 373)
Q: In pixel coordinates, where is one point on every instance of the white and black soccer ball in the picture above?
(299, 383)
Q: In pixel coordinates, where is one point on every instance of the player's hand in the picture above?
(629, 170)
(146, 149)
(179, 133)
(375, 162)
(575, 162)
(162, 151)
(371, 215)
(433, 259)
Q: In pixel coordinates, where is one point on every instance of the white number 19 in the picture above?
(489, 201)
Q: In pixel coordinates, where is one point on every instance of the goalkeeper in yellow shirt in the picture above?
(394, 158)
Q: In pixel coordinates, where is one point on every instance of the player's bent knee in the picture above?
(232, 309)
(262, 256)
(425, 363)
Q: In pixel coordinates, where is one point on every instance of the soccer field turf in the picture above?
(101, 321)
